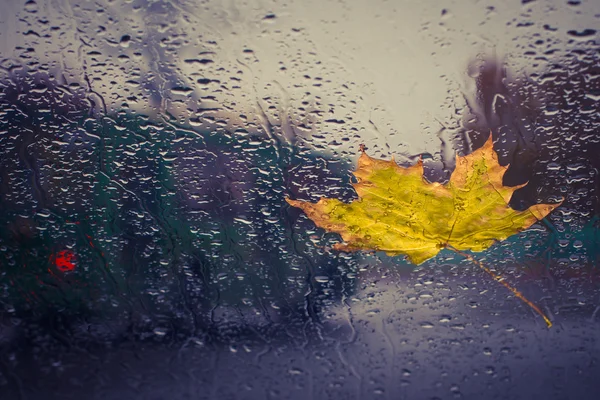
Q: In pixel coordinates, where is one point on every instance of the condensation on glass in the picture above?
(146, 151)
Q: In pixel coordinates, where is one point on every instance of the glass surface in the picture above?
(146, 151)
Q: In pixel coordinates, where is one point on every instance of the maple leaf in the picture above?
(398, 211)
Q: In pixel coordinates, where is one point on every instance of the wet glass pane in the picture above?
(147, 149)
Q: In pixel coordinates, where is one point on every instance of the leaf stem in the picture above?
(500, 279)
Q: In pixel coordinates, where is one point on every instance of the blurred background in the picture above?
(147, 147)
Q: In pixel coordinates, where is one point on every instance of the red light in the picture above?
(65, 260)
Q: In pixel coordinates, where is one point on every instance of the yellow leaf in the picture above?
(400, 212)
